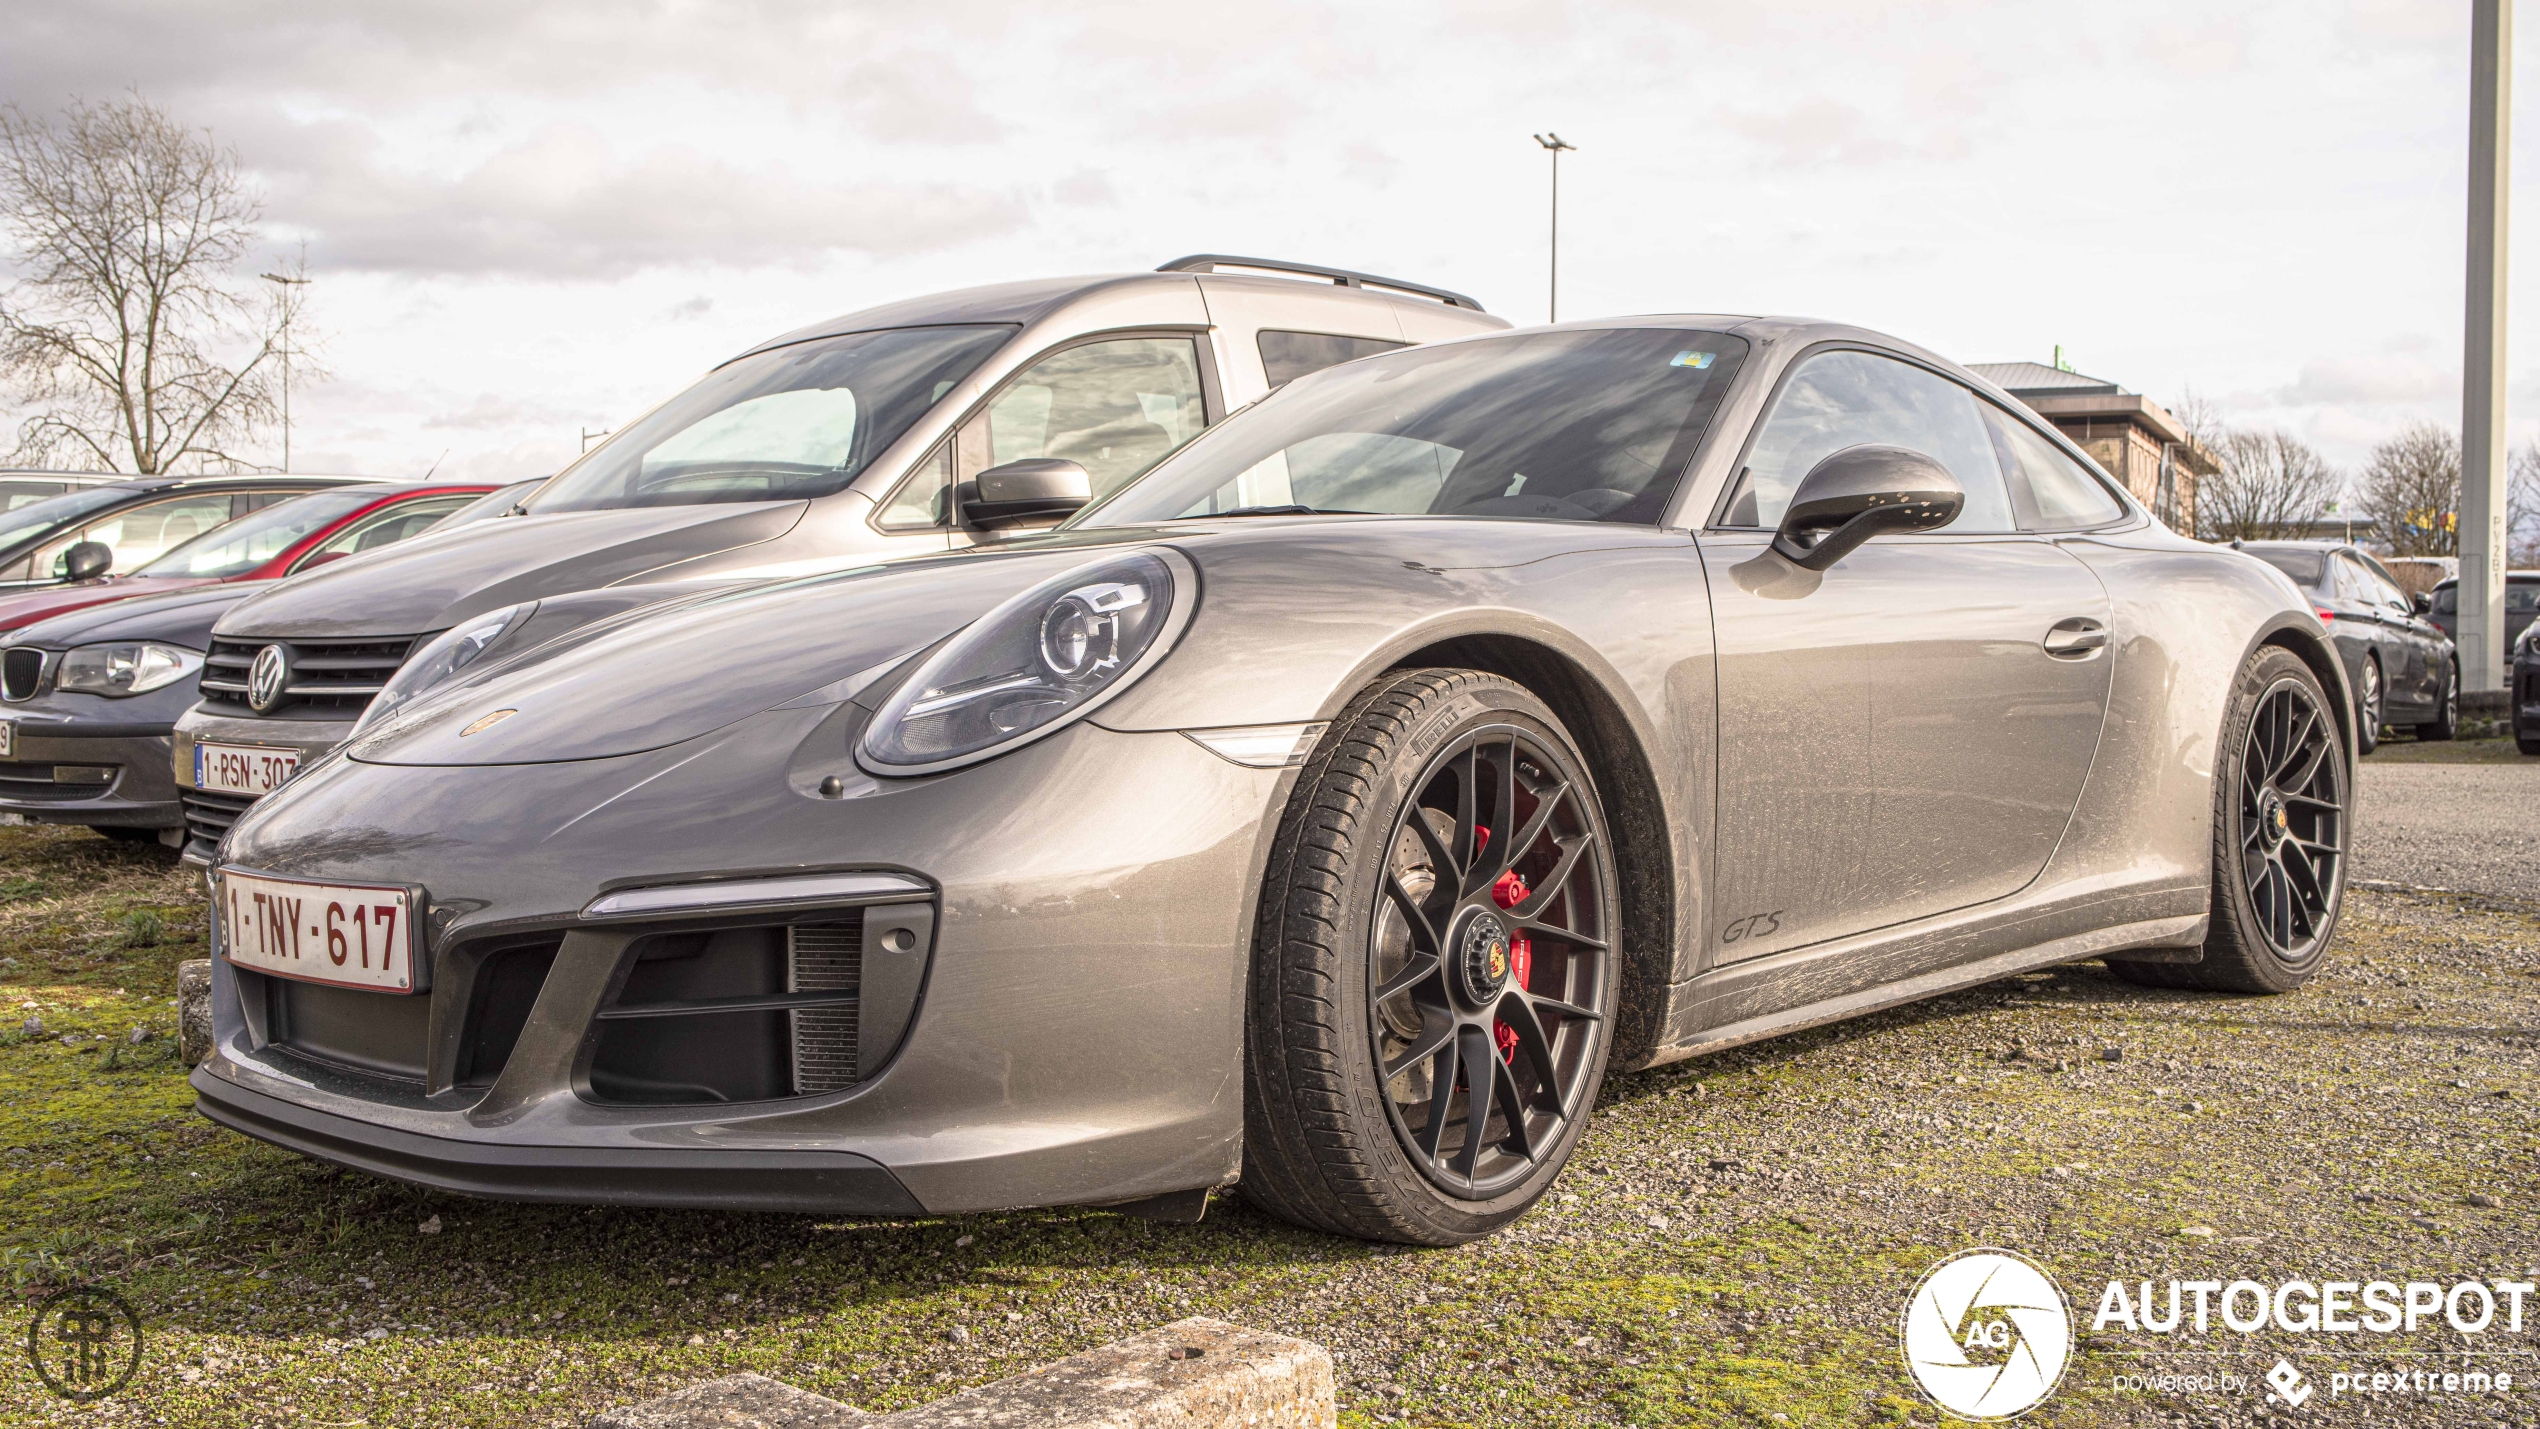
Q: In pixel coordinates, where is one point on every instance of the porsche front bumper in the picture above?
(1078, 1039)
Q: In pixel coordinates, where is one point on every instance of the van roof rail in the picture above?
(1213, 262)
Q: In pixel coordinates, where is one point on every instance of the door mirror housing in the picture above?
(1036, 488)
(2421, 603)
(87, 560)
(1860, 492)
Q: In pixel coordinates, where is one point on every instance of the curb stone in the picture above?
(1192, 1374)
(194, 1009)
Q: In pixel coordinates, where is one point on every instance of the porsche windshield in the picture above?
(793, 422)
(1557, 426)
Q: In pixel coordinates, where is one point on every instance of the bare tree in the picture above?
(2522, 506)
(127, 333)
(2412, 487)
(2272, 485)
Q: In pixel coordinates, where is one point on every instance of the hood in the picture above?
(38, 605)
(413, 587)
(700, 665)
(181, 617)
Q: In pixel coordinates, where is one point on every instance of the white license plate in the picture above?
(8, 739)
(348, 933)
(243, 768)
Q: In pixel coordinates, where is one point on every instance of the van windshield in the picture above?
(793, 422)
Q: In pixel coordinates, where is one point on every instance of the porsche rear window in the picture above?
(1554, 426)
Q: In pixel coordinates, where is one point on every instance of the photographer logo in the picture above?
(85, 1342)
(1987, 1335)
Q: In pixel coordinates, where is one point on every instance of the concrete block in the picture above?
(740, 1401)
(1192, 1374)
(194, 1009)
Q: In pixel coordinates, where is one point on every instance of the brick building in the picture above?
(2131, 436)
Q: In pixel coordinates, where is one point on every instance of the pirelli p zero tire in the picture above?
(2282, 822)
(1434, 978)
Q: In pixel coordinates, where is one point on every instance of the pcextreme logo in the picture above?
(1987, 1334)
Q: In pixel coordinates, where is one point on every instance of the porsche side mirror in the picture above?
(1859, 492)
(87, 560)
(1036, 488)
(2421, 603)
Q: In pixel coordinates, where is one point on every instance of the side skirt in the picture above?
(2186, 930)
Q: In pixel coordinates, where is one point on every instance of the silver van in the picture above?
(914, 427)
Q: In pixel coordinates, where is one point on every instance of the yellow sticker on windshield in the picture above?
(1691, 359)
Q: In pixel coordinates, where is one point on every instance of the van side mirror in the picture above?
(1036, 488)
(1859, 492)
(87, 560)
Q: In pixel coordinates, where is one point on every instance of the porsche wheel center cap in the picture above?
(2274, 824)
(1482, 959)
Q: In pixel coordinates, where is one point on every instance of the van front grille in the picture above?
(330, 679)
(207, 817)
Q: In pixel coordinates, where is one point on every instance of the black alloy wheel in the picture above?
(2292, 826)
(1434, 970)
(1486, 998)
(2280, 834)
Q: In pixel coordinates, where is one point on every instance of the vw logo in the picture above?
(268, 678)
(1987, 1335)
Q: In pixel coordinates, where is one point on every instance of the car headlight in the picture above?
(127, 667)
(441, 657)
(1045, 657)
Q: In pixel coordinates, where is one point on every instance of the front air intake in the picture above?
(21, 670)
(825, 957)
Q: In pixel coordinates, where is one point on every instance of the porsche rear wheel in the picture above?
(2281, 829)
(1433, 977)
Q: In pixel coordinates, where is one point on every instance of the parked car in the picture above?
(2526, 690)
(89, 698)
(2522, 603)
(1332, 807)
(298, 534)
(130, 520)
(913, 428)
(2401, 665)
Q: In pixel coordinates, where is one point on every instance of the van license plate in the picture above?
(249, 769)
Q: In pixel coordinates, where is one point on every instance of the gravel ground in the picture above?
(1734, 1245)
(2468, 822)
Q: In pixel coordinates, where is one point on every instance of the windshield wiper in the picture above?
(1290, 510)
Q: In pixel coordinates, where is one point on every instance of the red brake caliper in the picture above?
(1508, 892)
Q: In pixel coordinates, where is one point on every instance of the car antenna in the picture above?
(436, 466)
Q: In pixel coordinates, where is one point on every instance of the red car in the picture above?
(278, 540)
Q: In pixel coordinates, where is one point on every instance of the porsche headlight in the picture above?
(440, 658)
(127, 667)
(1026, 667)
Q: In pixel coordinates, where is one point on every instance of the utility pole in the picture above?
(2481, 589)
(1554, 142)
(288, 304)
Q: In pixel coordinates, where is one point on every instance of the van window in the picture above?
(1287, 356)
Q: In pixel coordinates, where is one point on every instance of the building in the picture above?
(2131, 436)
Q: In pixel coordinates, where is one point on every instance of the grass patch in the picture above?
(1732, 1246)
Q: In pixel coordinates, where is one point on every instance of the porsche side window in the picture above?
(2055, 494)
(1847, 399)
(923, 501)
(1115, 408)
(1287, 356)
(1581, 425)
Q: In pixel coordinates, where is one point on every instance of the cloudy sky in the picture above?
(528, 220)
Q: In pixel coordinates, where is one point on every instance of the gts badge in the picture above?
(1754, 925)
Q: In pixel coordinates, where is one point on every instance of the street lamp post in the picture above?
(287, 284)
(1554, 143)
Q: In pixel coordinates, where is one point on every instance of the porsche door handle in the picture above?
(2074, 639)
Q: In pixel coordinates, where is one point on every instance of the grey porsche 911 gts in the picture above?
(1328, 811)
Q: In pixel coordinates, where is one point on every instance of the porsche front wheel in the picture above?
(1434, 977)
